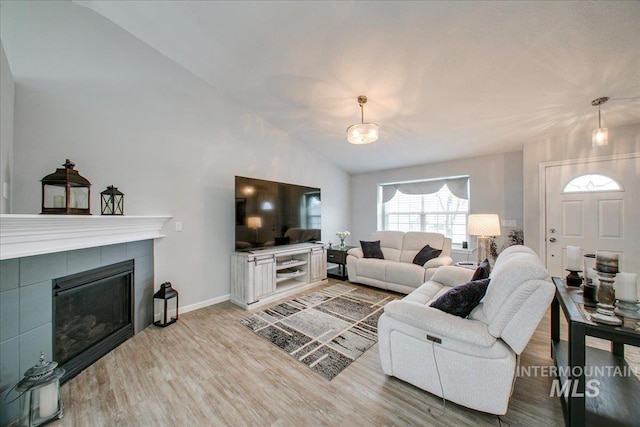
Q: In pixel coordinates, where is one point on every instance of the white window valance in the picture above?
(459, 187)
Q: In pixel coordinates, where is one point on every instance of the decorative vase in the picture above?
(606, 295)
(606, 268)
(342, 243)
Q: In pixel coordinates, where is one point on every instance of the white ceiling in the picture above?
(444, 79)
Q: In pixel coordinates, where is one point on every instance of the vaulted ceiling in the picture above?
(444, 79)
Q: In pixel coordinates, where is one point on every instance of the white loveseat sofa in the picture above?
(396, 271)
(475, 358)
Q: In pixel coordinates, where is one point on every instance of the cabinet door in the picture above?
(318, 268)
(264, 277)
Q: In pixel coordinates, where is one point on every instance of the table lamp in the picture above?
(483, 226)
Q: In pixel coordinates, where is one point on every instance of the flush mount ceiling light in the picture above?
(600, 135)
(362, 133)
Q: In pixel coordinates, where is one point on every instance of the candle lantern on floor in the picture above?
(66, 192)
(112, 201)
(40, 400)
(165, 305)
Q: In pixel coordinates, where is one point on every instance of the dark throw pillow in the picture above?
(462, 299)
(483, 270)
(426, 254)
(371, 249)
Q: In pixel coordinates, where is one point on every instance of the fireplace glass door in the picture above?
(93, 314)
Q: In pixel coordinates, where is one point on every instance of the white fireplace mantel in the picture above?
(27, 235)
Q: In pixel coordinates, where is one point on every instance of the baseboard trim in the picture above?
(207, 303)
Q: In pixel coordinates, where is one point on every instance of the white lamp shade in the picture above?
(362, 133)
(483, 225)
(254, 222)
(600, 137)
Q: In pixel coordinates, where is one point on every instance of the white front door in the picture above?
(591, 216)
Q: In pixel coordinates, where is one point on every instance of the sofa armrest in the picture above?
(356, 252)
(450, 275)
(438, 261)
(439, 323)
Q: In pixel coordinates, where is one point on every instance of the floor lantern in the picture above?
(40, 400)
(165, 305)
(112, 201)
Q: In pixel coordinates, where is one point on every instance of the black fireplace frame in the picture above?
(73, 283)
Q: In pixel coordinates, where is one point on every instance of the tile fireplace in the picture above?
(92, 314)
(41, 252)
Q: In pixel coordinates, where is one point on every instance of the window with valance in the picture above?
(436, 205)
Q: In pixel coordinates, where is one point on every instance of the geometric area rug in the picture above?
(326, 330)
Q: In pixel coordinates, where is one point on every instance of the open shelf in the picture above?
(282, 266)
(618, 397)
(290, 276)
(287, 284)
(291, 261)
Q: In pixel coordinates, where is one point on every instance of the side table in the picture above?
(338, 255)
(617, 397)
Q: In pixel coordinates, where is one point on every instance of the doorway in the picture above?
(594, 204)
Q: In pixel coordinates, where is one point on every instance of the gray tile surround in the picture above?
(83, 260)
(26, 326)
(10, 274)
(9, 375)
(35, 305)
(9, 311)
(39, 268)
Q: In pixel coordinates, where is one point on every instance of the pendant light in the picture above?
(600, 135)
(362, 133)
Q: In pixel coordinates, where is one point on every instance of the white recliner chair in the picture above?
(470, 361)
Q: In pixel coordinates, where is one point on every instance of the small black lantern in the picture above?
(165, 305)
(40, 399)
(66, 192)
(112, 201)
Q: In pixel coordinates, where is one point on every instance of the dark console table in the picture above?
(618, 396)
(337, 255)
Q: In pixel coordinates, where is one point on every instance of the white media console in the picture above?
(261, 276)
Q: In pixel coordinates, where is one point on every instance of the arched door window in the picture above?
(591, 183)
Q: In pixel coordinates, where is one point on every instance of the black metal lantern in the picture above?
(40, 399)
(112, 201)
(165, 305)
(66, 192)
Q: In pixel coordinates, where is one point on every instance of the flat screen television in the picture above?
(270, 213)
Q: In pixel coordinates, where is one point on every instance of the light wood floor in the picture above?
(208, 370)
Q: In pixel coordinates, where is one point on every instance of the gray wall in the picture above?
(26, 309)
(128, 116)
(495, 187)
(7, 93)
(575, 144)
